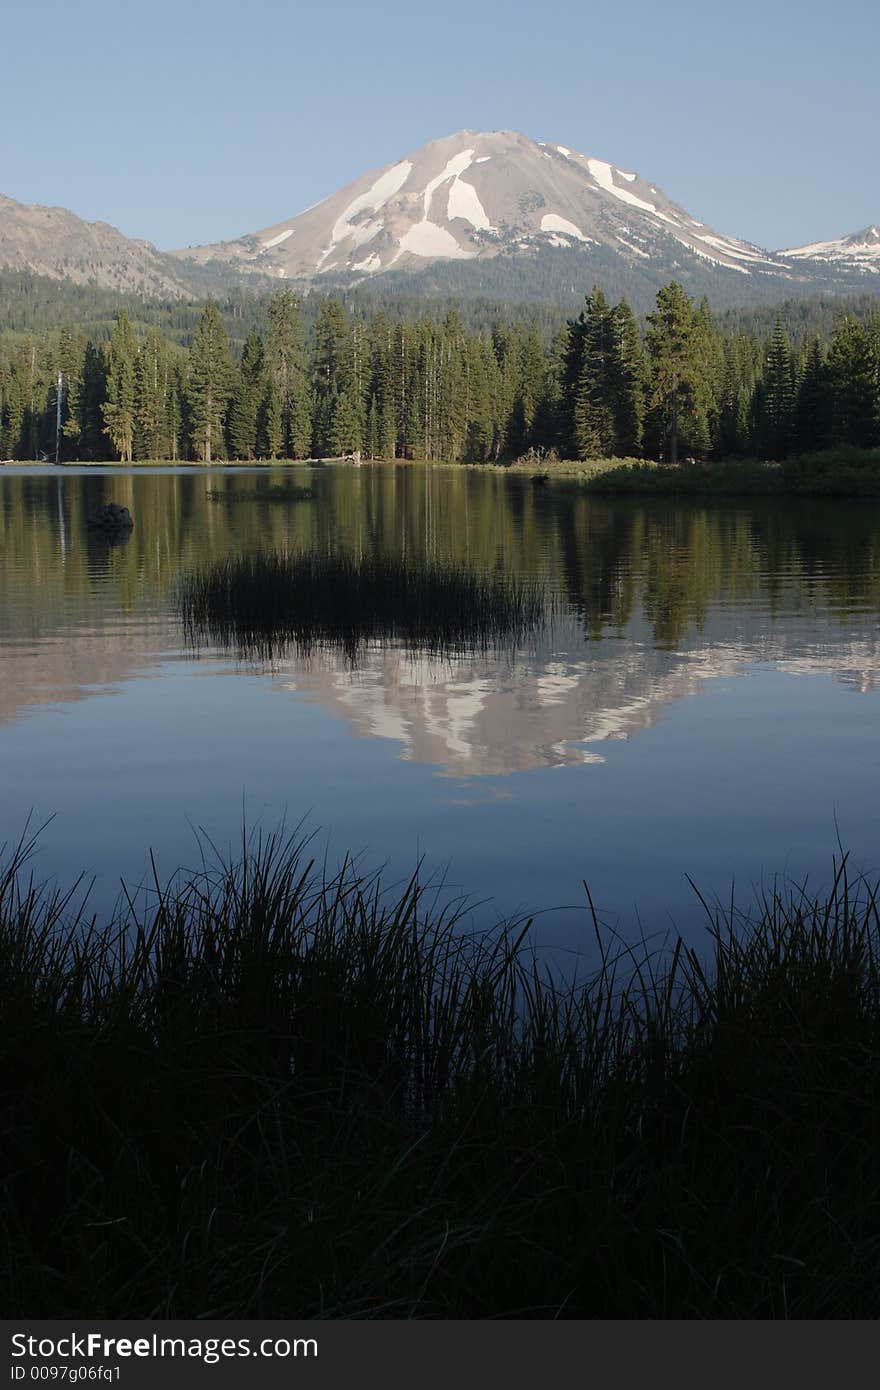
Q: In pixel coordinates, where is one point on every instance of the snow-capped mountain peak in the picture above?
(473, 196)
(860, 251)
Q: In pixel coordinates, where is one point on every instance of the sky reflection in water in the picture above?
(704, 702)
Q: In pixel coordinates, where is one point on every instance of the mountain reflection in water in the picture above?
(654, 602)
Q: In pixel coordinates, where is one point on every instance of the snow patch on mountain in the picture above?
(455, 166)
(705, 256)
(464, 202)
(385, 187)
(429, 239)
(735, 250)
(362, 232)
(636, 249)
(277, 240)
(552, 222)
(604, 175)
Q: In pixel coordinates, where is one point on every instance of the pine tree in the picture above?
(569, 369)
(532, 393)
(333, 378)
(69, 362)
(479, 397)
(152, 386)
(737, 386)
(627, 382)
(371, 432)
(451, 389)
(174, 407)
(593, 413)
(551, 428)
(382, 385)
(244, 405)
(119, 407)
(779, 395)
(208, 383)
(853, 374)
(674, 374)
(812, 421)
(85, 388)
(285, 363)
(14, 417)
(344, 434)
(270, 422)
(708, 379)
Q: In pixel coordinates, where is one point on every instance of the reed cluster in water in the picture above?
(285, 1093)
(262, 604)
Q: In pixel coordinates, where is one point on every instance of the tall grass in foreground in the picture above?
(284, 1094)
(264, 603)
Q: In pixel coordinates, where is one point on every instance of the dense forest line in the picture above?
(336, 378)
(34, 304)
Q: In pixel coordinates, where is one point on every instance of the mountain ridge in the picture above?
(471, 213)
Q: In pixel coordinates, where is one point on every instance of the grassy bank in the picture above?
(834, 473)
(263, 603)
(281, 1095)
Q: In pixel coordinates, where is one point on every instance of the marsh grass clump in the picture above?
(278, 1092)
(265, 603)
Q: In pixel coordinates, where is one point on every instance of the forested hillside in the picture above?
(269, 379)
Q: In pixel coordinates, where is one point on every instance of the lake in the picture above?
(703, 702)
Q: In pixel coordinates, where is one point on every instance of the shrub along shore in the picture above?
(278, 1093)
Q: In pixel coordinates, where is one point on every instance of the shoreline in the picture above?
(833, 473)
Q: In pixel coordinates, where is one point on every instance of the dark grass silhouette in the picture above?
(265, 603)
(283, 1094)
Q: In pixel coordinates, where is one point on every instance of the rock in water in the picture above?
(111, 517)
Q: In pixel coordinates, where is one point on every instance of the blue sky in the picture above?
(190, 122)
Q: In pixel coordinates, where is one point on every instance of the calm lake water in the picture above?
(704, 703)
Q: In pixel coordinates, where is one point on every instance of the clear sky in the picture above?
(187, 122)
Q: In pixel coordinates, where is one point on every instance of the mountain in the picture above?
(56, 243)
(475, 215)
(474, 196)
(859, 252)
(502, 215)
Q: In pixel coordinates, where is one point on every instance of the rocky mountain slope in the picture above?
(490, 214)
(56, 243)
(474, 198)
(861, 251)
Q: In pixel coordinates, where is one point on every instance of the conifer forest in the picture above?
(327, 377)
